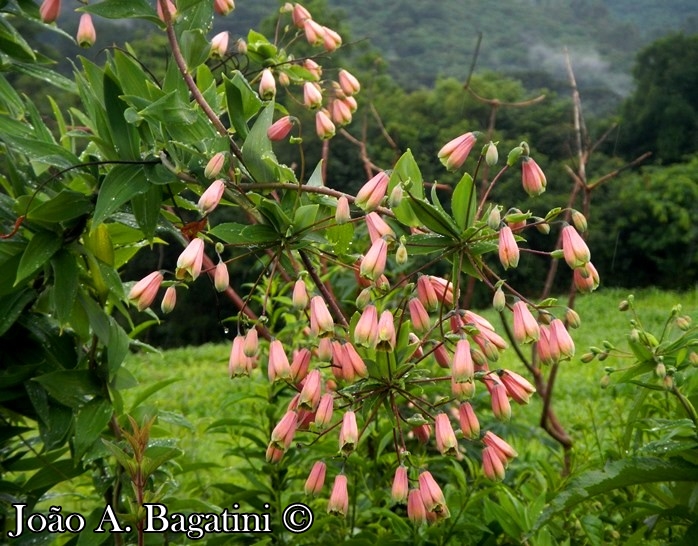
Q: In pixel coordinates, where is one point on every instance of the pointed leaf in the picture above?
(463, 202)
(38, 252)
(91, 420)
(121, 184)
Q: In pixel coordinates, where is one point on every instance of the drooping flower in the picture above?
(518, 387)
(532, 177)
(190, 259)
(324, 127)
(427, 294)
(508, 249)
(340, 112)
(238, 362)
(401, 486)
(586, 278)
(300, 15)
(312, 95)
(331, 40)
(321, 322)
(325, 408)
(314, 32)
(300, 364)
(339, 498)
(214, 165)
(316, 478)
(454, 153)
(343, 214)
(386, 332)
(377, 227)
(366, 331)
(211, 197)
(419, 316)
(348, 82)
(433, 497)
(86, 35)
(501, 448)
(169, 300)
(492, 466)
(280, 129)
(501, 408)
(561, 338)
(312, 67)
(300, 294)
(223, 7)
(251, 345)
(311, 392)
(49, 10)
(575, 250)
(143, 293)
(443, 289)
(278, 366)
(469, 424)
(348, 433)
(221, 277)
(373, 263)
(416, 510)
(526, 328)
(169, 6)
(445, 438)
(282, 435)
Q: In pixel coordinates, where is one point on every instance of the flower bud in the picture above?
(169, 6)
(343, 214)
(454, 153)
(579, 221)
(221, 277)
(214, 165)
(324, 127)
(321, 322)
(469, 424)
(251, 345)
(211, 197)
(526, 328)
(416, 510)
(401, 254)
(532, 177)
(572, 318)
(300, 295)
(395, 197)
(499, 301)
(586, 278)
(219, 44)
(349, 84)
(508, 249)
(574, 249)
(349, 433)
(223, 7)
(49, 10)
(386, 332)
(86, 35)
(446, 441)
(312, 95)
(372, 192)
(491, 155)
(280, 129)
(241, 46)
(312, 67)
(373, 263)
(363, 299)
(267, 85)
(494, 219)
(169, 300)
(144, 291)
(366, 331)
(325, 408)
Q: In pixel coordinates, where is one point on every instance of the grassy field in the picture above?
(202, 394)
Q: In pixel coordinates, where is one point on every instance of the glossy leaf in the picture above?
(90, 421)
(65, 286)
(121, 184)
(241, 101)
(464, 202)
(70, 387)
(233, 233)
(41, 247)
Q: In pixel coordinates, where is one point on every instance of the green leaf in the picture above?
(257, 148)
(151, 390)
(66, 205)
(65, 285)
(169, 108)
(122, 457)
(91, 420)
(70, 387)
(11, 307)
(195, 47)
(54, 473)
(407, 171)
(123, 134)
(118, 9)
(463, 202)
(38, 252)
(46, 74)
(120, 184)
(244, 234)
(146, 209)
(341, 237)
(622, 473)
(117, 349)
(241, 101)
(433, 219)
(304, 217)
(426, 243)
(19, 137)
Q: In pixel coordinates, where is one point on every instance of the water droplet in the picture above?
(226, 330)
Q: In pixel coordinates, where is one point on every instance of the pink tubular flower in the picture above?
(518, 387)
(86, 34)
(299, 15)
(586, 278)
(316, 478)
(191, 258)
(422, 433)
(562, 338)
(455, 152)
(251, 345)
(214, 165)
(446, 441)
(169, 300)
(237, 363)
(282, 435)
(469, 424)
(312, 95)
(144, 291)
(356, 362)
(492, 466)
(299, 365)
(267, 85)
(443, 358)
(427, 294)
(386, 332)
(331, 40)
(532, 177)
(366, 331)
(462, 391)
(211, 197)
(501, 448)
(443, 289)
(526, 327)
(419, 316)
(339, 498)
(373, 263)
(416, 510)
(343, 214)
(500, 400)
(349, 433)
(321, 322)
(49, 10)
(314, 32)
(574, 248)
(323, 414)
(350, 103)
(219, 44)
(221, 277)
(312, 67)
(462, 367)
(278, 366)
(280, 129)
(377, 227)
(310, 394)
(340, 112)
(324, 127)
(274, 454)
(508, 249)
(400, 485)
(348, 82)
(543, 347)
(223, 7)
(432, 495)
(372, 192)
(300, 295)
